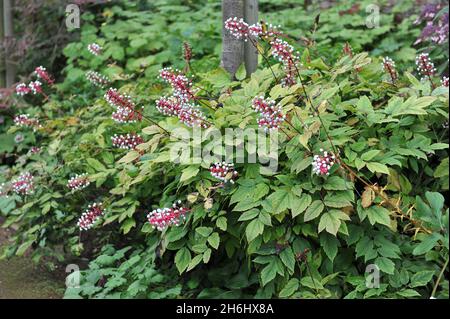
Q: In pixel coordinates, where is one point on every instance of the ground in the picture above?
(21, 279)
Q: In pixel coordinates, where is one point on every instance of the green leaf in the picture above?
(279, 201)
(336, 183)
(378, 214)
(194, 262)
(189, 172)
(291, 287)
(313, 210)
(249, 215)
(408, 293)
(330, 245)
(221, 223)
(204, 231)
(254, 229)
(385, 264)
(299, 205)
(377, 168)
(331, 221)
(288, 258)
(127, 225)
(427, 244)
(214, 240)
(268, 273)
(182, 259)
(23, 247)
(422, 278)
(367, 156)
(96, 165)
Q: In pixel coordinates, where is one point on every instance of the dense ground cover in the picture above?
(289, 233)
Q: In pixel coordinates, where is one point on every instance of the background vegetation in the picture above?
(290, 234)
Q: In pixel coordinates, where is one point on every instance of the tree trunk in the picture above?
(232, 49)
(2, 52)
(9, 33)
(250, 52)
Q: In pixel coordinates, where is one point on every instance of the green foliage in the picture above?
(291, 234)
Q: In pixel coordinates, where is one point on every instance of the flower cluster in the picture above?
(323, 163)
(181, 85)
(22, 89)
(224, 171)
(444, 81)
(281, 50)
(41, 73)
(180, 104)
(97, 79)
(271, 115)
(90, 216)
(238, 28)
(389, 67)
(127, 142)
(34, 150)
(125, 108)
(78, 182)
(284, 52)
(162, 218)
(424, 65)
(36, 87)
(187, 52)
(24, 120)
(23, 185)
(95, 49)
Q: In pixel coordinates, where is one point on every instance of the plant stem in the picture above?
(439, 278)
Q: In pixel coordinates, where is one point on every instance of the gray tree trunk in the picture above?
(250, 52)
(2, 53)
(232, 49)
(9, 33)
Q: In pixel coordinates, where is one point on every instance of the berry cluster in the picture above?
(95, 49)
(181, 85)
(424, 65)
(281, 50)
(125, 108)
(97, 79)
(90, 216)
(224, 171)
(22, 89)
(444, 81)
(41, 73)
(23, 185)
(323, 163)
(24, 120)
(78, 182)
(180, 103)
(162, 218)
(127, 142)
(284, 52)
(271, 115)
(36, 87)
(389, 67)
(238, 28)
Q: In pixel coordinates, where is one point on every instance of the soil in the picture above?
(21, 278)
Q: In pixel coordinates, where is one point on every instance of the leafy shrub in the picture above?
(289, 233)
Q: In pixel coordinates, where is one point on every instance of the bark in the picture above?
(232, 49)
(250, 52)
(9, 33)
